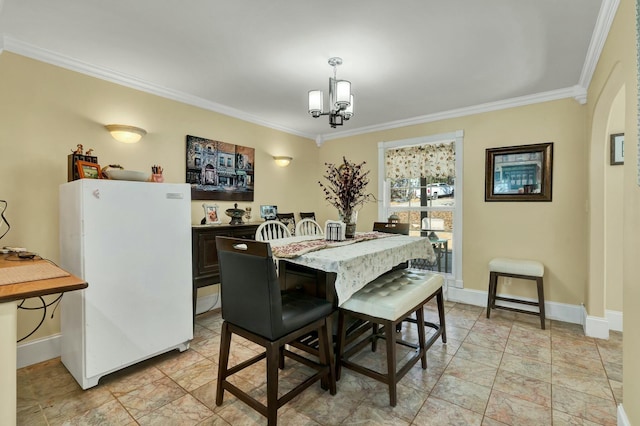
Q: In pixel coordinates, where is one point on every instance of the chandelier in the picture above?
(340, 98)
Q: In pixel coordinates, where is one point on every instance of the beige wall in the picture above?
(552, 232)
(616, 70)
(45, 111)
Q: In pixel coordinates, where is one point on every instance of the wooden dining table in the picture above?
(338, 269)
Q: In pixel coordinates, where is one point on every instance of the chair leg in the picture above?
(374, 338)
(225, 345)
(326, 357)
(422, 340)
(493, 283)
(390, 337)
(273, 361)
(541, 300)
(342, 335)
(440, 301)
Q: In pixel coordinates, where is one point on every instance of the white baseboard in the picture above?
(553, 310)
(615, 320)
(39, 350)
(622, 417)
(208, 303)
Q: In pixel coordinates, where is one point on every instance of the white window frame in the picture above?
(455, 279)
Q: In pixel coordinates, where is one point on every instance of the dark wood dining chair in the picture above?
(288, 219)
(255, 309)
(391, 227)
(308, 215)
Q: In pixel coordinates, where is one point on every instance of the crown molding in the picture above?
(608, 10)
(50, 57)
(576, 92)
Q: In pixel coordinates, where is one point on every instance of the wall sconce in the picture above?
(126, 134)
(282, 161)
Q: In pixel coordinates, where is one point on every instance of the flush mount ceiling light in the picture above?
(282, 161)
(340, 98)
(126, 134)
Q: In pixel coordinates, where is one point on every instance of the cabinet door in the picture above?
(207, 262)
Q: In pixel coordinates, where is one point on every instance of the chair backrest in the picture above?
(308, 226)
(288, 219)
(391, 228)
(249, 286)
(272, 230)
(310, 215)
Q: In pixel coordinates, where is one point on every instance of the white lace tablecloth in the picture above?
(357, 264)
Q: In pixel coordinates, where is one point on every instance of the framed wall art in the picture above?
(519, 173)
(219, 170)
(87, 170)
(617, 149)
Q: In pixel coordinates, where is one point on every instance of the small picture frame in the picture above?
(87, 170)
(211, 214)
(268, 212)
(617, 149)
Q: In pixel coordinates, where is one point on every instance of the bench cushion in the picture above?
(393, 294)
(505, 265)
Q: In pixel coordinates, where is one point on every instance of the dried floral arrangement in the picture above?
(346, 187)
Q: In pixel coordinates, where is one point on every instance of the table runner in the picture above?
(298, 248)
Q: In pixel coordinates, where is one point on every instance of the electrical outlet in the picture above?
(507, 281)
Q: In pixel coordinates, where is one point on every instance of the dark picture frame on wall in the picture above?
(519, 173)
(617, 149)
(219, 170)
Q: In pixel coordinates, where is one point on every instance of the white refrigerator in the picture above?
(131, 241)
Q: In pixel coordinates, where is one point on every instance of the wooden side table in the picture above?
(10, 294)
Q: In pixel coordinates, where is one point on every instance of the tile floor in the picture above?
(502, 371)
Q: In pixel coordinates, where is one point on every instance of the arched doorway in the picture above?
(604, 292)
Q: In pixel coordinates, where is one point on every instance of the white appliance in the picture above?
(131, 241)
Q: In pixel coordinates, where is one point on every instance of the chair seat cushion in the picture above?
(299, 309)
(393, 294)
(505, 265)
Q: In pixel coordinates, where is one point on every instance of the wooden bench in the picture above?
(516, 268)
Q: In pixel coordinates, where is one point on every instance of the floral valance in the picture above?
(425, 161)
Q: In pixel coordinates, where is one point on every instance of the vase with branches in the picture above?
(346, 190)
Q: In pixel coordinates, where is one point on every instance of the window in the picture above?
(421, 182)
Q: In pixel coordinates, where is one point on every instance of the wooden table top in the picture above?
(27, 289)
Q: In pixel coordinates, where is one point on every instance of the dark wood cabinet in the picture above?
(205, 256)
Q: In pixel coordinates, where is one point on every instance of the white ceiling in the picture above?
(409, 61)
